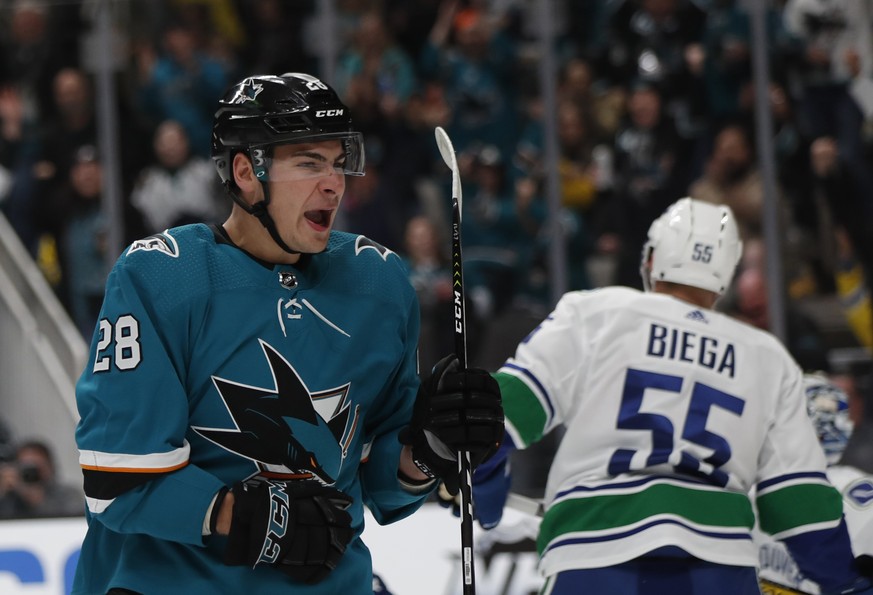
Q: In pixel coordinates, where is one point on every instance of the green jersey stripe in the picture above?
(522, 408)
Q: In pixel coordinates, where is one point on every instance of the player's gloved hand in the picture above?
(455, 411)
(447, 500)
(491, 483)
(299, 527)
(489, 496)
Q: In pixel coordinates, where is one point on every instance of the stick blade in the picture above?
(447, 152)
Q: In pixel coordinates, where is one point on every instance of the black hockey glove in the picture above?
(455, 411)
(299, 527)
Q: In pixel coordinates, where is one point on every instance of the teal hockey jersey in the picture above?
(208, 366)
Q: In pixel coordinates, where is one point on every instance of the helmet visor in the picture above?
(318, 156)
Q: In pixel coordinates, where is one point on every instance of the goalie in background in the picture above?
(673, 413)
(833, 413)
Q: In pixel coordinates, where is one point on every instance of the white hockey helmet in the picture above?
(828, 408)
(693, 243)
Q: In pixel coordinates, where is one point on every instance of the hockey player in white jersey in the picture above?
(673, 414)
(828, 407)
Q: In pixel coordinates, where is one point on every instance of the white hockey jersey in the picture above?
(775, 562)
(673, 414)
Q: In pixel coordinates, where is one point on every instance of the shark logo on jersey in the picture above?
(160, 242)
(287, 430)
(363, 242)
(249, 92)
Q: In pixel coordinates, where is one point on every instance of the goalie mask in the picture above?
(828, 408)
(260, 112)
(693, 243)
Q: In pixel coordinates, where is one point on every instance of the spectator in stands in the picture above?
(180, 83)
(790, 147)
(18, 151)
(732, 178)
(79, 224)
(29, 487)
(376, 79)
(431, 276)
(837, 48)
(606, 105)
(750, 302)
(581, 179)
(838, 189)
(853, 289)
(180, 187)
(374, 55)
(475, 61)
(727, 43)
(500, 227)
(74, 124)
(659, 42)
(649, 163)
(40, 40)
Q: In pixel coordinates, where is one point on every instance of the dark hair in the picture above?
(39, 446)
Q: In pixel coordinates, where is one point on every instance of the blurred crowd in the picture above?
(29, 484)
(655, 100)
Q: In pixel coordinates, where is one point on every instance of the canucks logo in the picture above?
(160, 242)
(287, 430)
(248, 92)
(860, 493)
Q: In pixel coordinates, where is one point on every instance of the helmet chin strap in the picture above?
(260, 160)
(259, 210)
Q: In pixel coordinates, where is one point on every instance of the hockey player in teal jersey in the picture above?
(672, 413)
(249, 383)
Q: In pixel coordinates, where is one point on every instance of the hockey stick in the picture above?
(447, 151)
(524, 504)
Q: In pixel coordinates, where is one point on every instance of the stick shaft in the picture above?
(524, 504)
(464, 466)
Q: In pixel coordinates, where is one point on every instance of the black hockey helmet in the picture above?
(261, 111)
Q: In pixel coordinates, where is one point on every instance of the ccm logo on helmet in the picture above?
(322, 113)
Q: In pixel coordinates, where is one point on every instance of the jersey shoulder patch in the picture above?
(363, 242)
(163, 243)
(860, 492)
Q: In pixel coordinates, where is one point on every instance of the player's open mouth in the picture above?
(319, 218)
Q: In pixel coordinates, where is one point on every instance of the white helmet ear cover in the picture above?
(693, 243)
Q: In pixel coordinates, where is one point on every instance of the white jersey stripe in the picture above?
(145, 463)
(96, 506)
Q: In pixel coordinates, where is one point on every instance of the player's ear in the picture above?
(244, 174)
